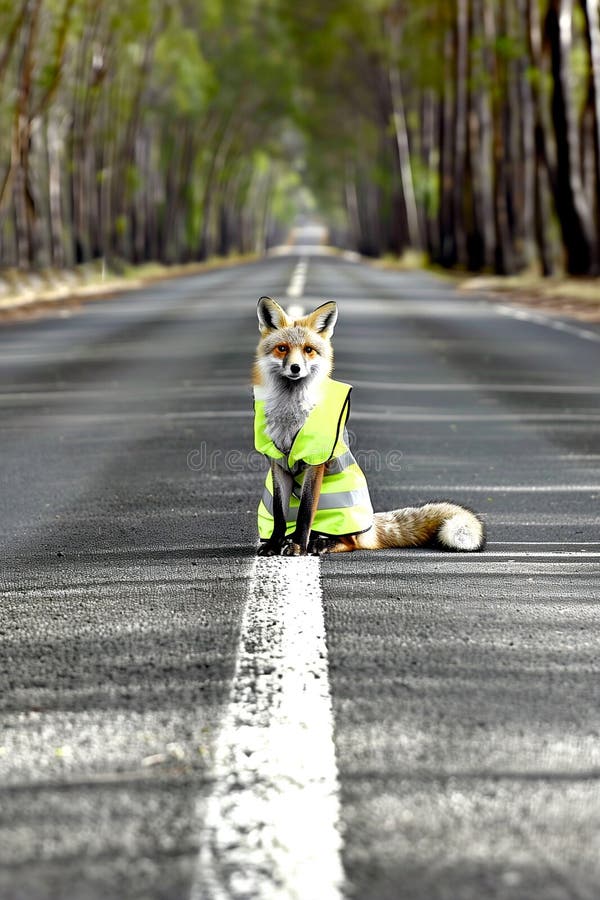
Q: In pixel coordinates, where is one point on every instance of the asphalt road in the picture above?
(464, 688)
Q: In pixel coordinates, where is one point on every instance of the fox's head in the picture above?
(294, 350)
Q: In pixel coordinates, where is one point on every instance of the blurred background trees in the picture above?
(139, 129)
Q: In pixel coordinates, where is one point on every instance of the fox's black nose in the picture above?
(294, 368)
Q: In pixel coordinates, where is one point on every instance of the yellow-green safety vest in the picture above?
(344, 504)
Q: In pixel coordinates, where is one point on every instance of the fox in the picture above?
(315, 499)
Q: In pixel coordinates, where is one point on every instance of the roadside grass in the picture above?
(410, 260)
(577, 298)
(25, 294)
(30, 294)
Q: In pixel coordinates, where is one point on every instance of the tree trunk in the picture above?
(218, 156)
(460, 179)
(527, 141)
(503, 257)
(430, 155)
(543, 215)
(56, 227)
(545, 156)
(12, 40)
(447, 256)
(81, 186)
(403, 148)
(481, 149)
(13, 36)
(573, 209)
(22, 194)
(351, 201)
(592, 21)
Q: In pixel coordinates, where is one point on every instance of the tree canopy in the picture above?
(173, 130)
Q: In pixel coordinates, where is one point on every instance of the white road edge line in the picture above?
(524, 315)
(271, 824)
(544, 543)
(550, 554)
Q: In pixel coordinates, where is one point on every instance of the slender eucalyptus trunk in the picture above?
(503, 262)
(591, 9)
(430, 152)
(527, 146)
(23, 199)
(55, 224)
(447, 241)
(351, 201)
(218, 155)
(545, 155)
(403, 148)
(572, 206)
(460, 174)
(481, 138)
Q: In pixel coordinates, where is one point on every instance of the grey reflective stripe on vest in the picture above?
(335, 466)
(296, 469)
(337, 500)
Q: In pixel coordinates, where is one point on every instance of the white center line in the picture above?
(271, 824)
(298, 279)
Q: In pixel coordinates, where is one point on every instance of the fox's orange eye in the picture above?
(282, 348)
(309, 350)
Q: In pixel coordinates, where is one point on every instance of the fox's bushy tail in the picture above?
(446, 525)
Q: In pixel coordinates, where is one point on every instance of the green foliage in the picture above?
(286, 195)
(427, 186)
(121, 224)
(509, 48)
(133, 179)
(197, 114)
(132, 19)
(183, 78)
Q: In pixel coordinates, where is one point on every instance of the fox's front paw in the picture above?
(320, 545)
(269, 548)
(290, 548)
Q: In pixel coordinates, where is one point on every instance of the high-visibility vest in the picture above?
(344, 504)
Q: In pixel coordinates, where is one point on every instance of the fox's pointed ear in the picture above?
(323, 318)
(270, 315)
